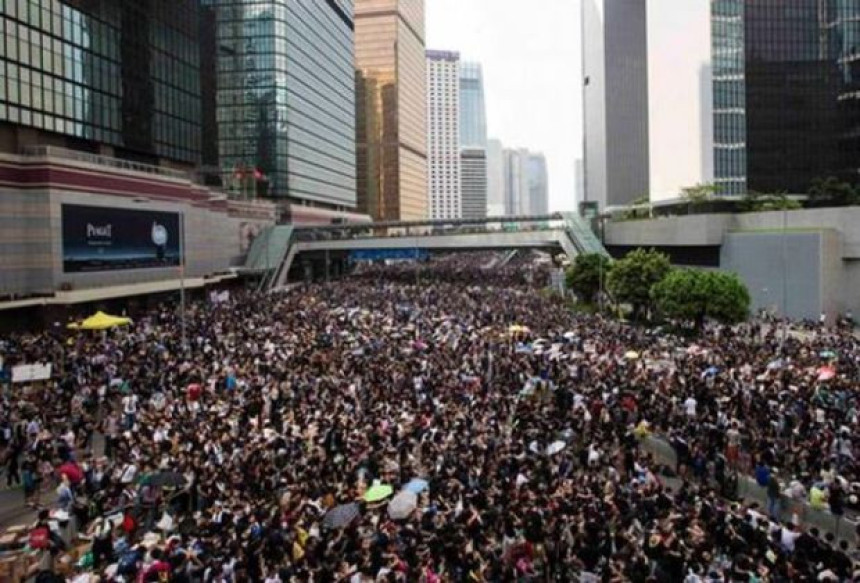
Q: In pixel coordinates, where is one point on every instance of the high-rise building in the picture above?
(680, 100)
(578, 178)
(785, 81)
(116, 78)
(391, 102)
(615, 96)
(473, 141)
(538, 200)
(473, 162)
(443, 135)
(517, 182)
(286, 99)
(473, 111)
(729, 78)
(495, 179)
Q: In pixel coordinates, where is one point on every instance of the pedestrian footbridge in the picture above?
(279, 250)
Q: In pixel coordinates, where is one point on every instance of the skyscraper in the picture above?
(391, 106)
(113, 78)
(473, 112)
(473, 141)
(538, 202)
(517, 182)
(578, 176)
(680, 98)
(495, 179)
(729, 78)
(615, 88)
(785, 82)
(286, 98)
(443, 135)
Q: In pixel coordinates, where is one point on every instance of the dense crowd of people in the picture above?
(436, 422)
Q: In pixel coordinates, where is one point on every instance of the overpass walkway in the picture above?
(273, 252)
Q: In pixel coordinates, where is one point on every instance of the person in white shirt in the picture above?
(690, 406)
(788, 537)
(129, 409)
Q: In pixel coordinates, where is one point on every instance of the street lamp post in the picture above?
(784, 277)
(601, 223)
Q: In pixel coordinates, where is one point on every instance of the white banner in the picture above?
(28, 373)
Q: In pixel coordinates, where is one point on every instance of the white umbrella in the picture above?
(555, 447)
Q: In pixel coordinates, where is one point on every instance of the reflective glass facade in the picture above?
(286, 101)
(473, 114)
(124, 73)
(786, 93)
(727, 34)
(538, 185)
(391, 132)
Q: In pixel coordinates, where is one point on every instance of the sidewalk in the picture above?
(750, 491)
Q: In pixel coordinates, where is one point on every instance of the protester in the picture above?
(439, 421)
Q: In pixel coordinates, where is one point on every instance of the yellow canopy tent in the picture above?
(101, 321)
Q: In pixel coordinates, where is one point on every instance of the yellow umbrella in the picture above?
(101, 321)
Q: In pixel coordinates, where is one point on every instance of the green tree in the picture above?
(584, 276)
(831, 191)
(754, 202)
(697, 195)
(779, 202)
(630, 280)
(693, 295)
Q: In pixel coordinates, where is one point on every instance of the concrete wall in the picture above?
(780, 272)
(31, 255)
(26, 253)
(823, 249)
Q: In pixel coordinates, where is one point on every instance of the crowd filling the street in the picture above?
(443, 421)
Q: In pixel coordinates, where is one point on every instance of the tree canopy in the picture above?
(693, 295)
(631, 278)
(831, 191)
(583, 277)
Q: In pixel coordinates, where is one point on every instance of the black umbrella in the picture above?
(168, 479)
(341, 516)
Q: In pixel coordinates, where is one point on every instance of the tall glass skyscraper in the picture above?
(120, 78)
(391, 131)
(729, 77)
(473, 112)
(473, 141)
(785, 93)
(286, 101)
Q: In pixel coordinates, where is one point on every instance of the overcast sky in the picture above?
(530, 52)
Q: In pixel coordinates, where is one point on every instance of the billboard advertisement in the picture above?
(106, 239)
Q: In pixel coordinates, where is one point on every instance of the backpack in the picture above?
(40, 538)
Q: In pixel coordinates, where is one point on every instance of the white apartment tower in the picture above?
(444, 190)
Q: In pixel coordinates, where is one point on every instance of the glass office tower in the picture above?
(391, 103)
(286, 105)
(473, 113)
(120, 78)
(729, 96)
(473, 141)
(785, 93)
